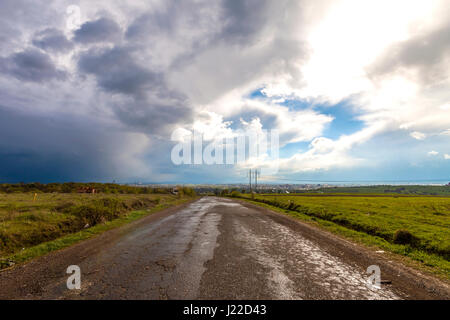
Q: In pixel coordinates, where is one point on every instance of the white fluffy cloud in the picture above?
(418, 135)
(344, 55)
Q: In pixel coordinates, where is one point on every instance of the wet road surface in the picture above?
(216, 248)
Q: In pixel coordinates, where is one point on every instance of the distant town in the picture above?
(244, 188)
(287, 188)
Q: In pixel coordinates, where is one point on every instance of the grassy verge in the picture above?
(104, 213)
(372, 222)
(387, 189)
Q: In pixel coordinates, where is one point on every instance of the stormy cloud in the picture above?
(117, 71)
(100, 30)
(101, 100)
(52, 40)
(31, 65)
(55, 148)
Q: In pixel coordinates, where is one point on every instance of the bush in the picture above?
(90, 214)
(235, 194)
(404, 237)
(186, 191)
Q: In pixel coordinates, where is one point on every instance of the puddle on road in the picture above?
(294, 260)
(278, 281)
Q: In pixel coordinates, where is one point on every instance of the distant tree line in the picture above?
(74, 187)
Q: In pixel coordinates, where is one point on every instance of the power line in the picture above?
(256, 174)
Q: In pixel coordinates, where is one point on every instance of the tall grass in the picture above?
(26, 221)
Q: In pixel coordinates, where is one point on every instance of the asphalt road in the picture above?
(217, 248)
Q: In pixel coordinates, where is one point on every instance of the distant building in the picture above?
(86, 190)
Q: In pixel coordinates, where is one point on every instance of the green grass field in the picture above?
(26, 222)
(386, 189)
(413, 226)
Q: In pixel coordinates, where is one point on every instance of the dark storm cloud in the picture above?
(101, 30)
(31, 65)
(54, 148)
(52, 40)
(154, 118)
(243, 19)
(150, 105)
(117, 71)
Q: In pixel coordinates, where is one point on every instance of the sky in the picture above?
(94, 90)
